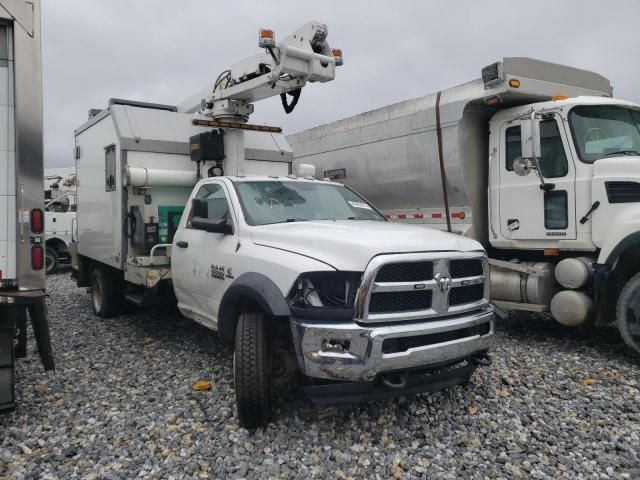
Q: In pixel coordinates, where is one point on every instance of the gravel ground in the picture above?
(556, 403)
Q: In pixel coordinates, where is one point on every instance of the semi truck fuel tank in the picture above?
(517, 286)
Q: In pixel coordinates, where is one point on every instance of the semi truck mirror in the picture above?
(530, 138)
(522, 167)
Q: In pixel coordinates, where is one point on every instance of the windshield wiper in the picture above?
(623, 152)
(289, 220)
(358, 218)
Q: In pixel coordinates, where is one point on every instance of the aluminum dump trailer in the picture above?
(426, 160)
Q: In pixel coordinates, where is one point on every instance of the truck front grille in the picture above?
(402, 344)
(403, 287)
(465, 268)
(385, 302)
(462, 295)
(405, 272)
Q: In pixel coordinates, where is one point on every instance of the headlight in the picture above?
(333, 290)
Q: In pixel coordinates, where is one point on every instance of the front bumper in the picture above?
(349, 351)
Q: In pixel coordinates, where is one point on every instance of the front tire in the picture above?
(106, 293)
(251, 371)
(52, 260)
(628, 313)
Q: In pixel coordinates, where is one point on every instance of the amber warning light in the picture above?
(266, 38)
(337, 53)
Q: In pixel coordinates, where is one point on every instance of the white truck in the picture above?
(565, 239)
(59, 216)
(298, 274)
(22, 279)
(59, 222)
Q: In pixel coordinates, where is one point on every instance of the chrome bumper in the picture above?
(353, 352)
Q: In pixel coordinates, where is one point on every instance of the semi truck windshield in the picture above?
(268, 202)
(601, 131)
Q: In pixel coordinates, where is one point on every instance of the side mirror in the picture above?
(522, 166)
(211, 226)
(531, 138)
(199, 208)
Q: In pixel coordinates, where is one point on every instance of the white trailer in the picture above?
(22, 280)
(565, 239)
(297, 274)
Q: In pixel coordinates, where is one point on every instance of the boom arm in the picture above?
(281, 69)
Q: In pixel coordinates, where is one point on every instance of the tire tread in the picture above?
(251, 373)
(621, 315)
(111, 291)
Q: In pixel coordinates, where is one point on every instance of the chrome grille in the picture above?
(421, 286)
(469, 294)
(465, 268)
(405, 272)
(384, 302)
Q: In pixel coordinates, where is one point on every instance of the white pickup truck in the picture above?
(297, 273)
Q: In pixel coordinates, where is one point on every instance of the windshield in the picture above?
(600, 131)
(266, 202)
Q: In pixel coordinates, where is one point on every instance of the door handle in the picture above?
(182, 244)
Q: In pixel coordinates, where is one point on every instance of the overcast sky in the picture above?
(165, 50)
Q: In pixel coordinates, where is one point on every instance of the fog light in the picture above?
(335, 345)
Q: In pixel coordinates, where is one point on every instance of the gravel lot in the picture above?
(556, 403)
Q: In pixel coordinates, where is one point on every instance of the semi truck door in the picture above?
(201, 261)
(526, 211)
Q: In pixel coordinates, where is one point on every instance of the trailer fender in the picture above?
(246, 288)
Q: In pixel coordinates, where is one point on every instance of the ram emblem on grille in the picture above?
(443, 282)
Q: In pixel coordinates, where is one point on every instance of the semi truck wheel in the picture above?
(106, 293)
(51, 260)
(628, 313)
(251, 373)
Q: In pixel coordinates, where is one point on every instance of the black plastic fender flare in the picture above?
(258, 288)
(624, 244)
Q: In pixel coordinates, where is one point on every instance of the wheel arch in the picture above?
(621, 264)
(249, 290)
(57, 244)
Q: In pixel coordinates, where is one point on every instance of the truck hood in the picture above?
(350, 244)
(615, 218)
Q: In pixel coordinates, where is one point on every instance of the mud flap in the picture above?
(7, 358)
(40, 324)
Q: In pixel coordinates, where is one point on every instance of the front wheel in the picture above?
(628, 313)
(51, 260)
(251, 373)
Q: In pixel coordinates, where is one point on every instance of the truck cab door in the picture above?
(526, 211)
(201, 260)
